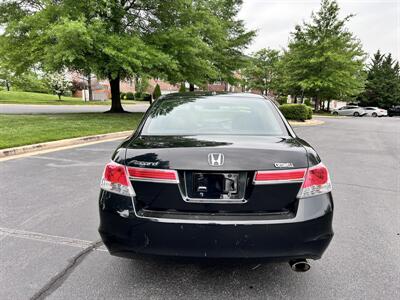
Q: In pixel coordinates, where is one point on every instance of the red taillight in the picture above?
(157, 175)
(115, 180)
(115, 173)
(316, 182)
(284, 176)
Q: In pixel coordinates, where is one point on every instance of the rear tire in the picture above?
(356, 114)
(374, 115)
(335, 113)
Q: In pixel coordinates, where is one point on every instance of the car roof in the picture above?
(221, 95)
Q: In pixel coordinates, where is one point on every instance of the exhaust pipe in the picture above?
(299, 265)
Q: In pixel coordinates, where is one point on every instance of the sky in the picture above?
(376, 22)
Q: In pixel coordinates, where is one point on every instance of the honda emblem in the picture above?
(215, 159)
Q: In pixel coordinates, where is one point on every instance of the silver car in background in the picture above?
(349, 110)
(375, 112)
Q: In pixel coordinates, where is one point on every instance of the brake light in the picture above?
(115, 180)
(154, 175)
(316, 182)
(269, 177)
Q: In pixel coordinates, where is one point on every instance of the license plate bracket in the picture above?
(215, 187)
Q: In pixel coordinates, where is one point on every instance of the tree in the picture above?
(382, 87)
(6, 77)
(157, 92)
(261, 71)
(206, 40)
(182, 88)
(324, 59)
(103, 37)
(118, 39)
(58, 83)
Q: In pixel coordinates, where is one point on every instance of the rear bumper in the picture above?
(306, 236)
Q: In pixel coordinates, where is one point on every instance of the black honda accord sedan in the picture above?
(216, 176)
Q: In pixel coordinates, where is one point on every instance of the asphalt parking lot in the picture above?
(49, 220)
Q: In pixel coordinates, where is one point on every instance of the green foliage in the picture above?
(182, 88)
(282, 99)
(142, 84)
(297, 112)
(324, 60)
(138, 96)
(206, 40)
(307, 102)
(157, 92)
(129, 96)
(382, 87)
(122, 96)
(310, 113)
(261, 70)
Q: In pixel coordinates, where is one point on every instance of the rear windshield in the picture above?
(214, 116)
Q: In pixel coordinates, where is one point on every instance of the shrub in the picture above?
(138, 96)
(182, 88)
(146, 97)
(310, 113)
(130, 96)
(122, 96)
(157, 92)
(295, 111)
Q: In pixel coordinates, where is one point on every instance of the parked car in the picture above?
(349, 110)
(216, 176)
(375, 112)
(394, 111)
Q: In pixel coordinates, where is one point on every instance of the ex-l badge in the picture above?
(284, 165)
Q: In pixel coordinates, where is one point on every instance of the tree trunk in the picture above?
(191, 87)
(7, 85)
(116, 106)
(316, 103)
(295, 99)
(89, 82)
(329, 105)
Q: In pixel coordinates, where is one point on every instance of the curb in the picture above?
(330, 116)
(63, 143)
(307, 123)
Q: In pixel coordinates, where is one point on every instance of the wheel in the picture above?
(335, 113)
(374, 114)
(356, 114)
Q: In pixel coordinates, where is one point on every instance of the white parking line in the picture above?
(47, 238)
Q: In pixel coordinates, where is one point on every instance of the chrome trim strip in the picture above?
(214, 201)
(303, 214)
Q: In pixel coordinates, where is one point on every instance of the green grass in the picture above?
(18, 130)
(14, 97)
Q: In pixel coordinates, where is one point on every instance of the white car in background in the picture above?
(349, 110)
(375, 112)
